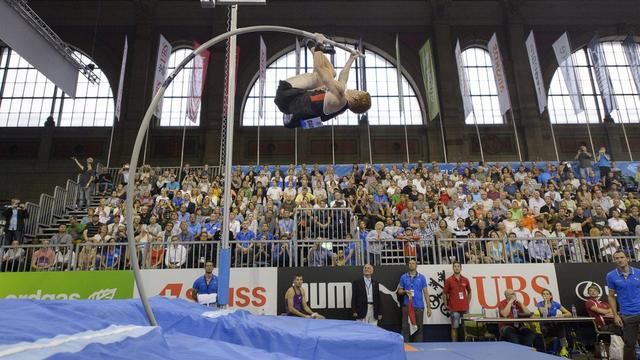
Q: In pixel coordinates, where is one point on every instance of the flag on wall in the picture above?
(562, 49)
(429, 79)
(123, 68)
(298, 56)
(465, 90)
(162, 63)
(498, 74)
(536, 73)
(602, 75)
(399, 75)
(196, 85)
(631, 52)
(262, 77)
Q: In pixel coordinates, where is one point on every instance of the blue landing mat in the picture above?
(489, 350)
(117, 329)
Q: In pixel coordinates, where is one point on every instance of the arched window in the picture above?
(27, 97)
(381, 83)
(174, 104)
(626, 94)
(482, 85)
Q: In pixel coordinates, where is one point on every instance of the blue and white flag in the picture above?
(602, 75)
(562, 49)
(498, 73)
(536, 73)
(463, 81)
(263, 77)
(631, 52)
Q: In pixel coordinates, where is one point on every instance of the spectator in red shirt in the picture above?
(457, 296)
(43, 258)
(601, 311)
(515, 332)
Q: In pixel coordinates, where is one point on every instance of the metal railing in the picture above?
(45, 216)
(318, 253)
(72, 194)
(31, 224)
(323, 223)
(59, 199)
(262, 253)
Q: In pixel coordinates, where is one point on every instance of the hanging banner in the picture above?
(498, 73)
(263, 77)
(123, 67)
(226, 85)
(562, 49)
(399, 75)
(536, 73)
(298, 56)
(631, 52)
(196, 83)
(465, 90)
(162, 63)
(602, 75)
(429, 79)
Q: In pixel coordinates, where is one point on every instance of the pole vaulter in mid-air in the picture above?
(308, 100)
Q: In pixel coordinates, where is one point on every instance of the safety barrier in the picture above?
(323, 223)
(59, 199)
(72, 194)
(320, 252)
(45, 215)
(31, 224)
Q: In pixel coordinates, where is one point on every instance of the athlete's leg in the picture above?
(322, 69)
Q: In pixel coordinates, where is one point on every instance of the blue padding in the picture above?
(184, 332)
(224, 272)
(304, 338)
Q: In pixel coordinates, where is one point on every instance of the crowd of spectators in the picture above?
(538, 212)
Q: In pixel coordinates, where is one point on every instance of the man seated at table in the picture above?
(514, 332)
(601, 311)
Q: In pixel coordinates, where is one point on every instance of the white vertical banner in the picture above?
(196, 84)
(602, 75)
(263, 78)
(162, 63)
(498, 73)
(631, 52)
(536, 73)
(399, 75)
(298, 56)
(562, 49)
(123, 68)
(465, 90)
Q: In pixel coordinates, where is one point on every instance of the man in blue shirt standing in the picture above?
(414, 286)
(206, 284)
(624, 282)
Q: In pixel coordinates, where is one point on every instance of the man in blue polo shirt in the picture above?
(624, 281)
(206, 284)
(414, 287)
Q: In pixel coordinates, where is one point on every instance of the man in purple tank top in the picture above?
(296, 303)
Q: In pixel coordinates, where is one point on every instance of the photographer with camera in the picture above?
(15, 214)
(584, 159)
